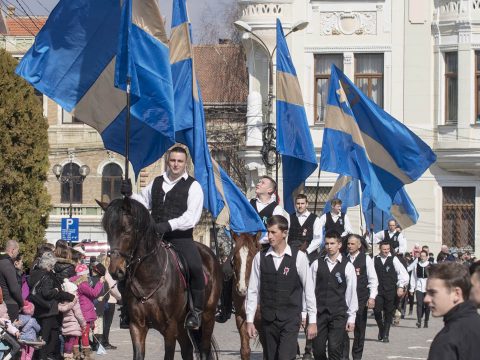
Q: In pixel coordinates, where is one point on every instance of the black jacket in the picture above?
(50, 290)
(64, 269)
(12, 291)
(459, 339)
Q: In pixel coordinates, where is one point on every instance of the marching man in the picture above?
(279, 282)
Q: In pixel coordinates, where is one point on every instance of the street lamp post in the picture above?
(269, 133)
(70, 179)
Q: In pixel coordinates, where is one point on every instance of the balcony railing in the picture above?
(77, 210)
(453, 9)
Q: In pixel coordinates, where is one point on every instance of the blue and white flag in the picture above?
(222, 198)
(73, 61)
(345, 189)
(402, 210)
(362, 141)
(294, 141)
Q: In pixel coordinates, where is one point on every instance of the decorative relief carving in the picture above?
(449, 6)
(262, 9)
(348, 23)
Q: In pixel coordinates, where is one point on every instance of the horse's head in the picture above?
(246, 246)
(126, 223)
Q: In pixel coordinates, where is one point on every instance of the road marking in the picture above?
(404, 357)
(418, 347)
(429, 340)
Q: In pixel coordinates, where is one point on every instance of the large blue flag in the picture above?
(402, 210)
(222, 197)
(294, 141)
(362, 141)
(346, 189)
(73, 61)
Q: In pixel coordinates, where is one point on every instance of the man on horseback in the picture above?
(176, 201)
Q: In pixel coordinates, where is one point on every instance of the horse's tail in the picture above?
(215, 349)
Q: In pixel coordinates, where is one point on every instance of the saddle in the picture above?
(181, 266)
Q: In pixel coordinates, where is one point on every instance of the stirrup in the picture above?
(193, 321)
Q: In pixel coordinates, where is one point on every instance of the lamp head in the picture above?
(57, 170)
(299, 25)
(242, 26)
(84, 171)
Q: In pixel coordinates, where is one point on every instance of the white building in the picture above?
(419, 59)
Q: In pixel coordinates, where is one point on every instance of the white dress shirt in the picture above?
(371, 273)
(335, 217)
(418, 284)
(253, 294)
(316, 243)
(277, 211)
(351, 298)
(402, 274)
(402, 241)
(193, 213)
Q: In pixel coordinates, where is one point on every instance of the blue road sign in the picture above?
(70, 229)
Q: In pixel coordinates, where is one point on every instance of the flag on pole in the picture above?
(73, 61)
(362, 141)
(222, 198)
(294, 141)
(345, 189)
(402, 210)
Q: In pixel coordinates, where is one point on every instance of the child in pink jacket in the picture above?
(73, 322)
(86, 295)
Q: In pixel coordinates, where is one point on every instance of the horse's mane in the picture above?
(142, 221)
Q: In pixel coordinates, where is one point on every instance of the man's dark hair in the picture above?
(301, 196)
(336, 202)
(332, 234)
(278, 220)
(384, 243)
(425, 252)
(273, 182)
(475, 268)
(454, 275)
(177, 149)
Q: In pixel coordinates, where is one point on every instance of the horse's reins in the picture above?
(132, 264)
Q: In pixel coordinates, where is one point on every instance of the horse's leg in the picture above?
(244, 338)
(207, 333)
(186, 347)
(170, 341)
(138, 335)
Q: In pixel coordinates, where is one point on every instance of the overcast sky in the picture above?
(202, 13)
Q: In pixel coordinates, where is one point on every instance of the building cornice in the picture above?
(348, 48)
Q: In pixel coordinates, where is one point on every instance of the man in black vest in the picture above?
(176, 201)
(279, 281)
(336, 295)
(335, 220)
(305, 232)
(398, 243)
(392, 281)
(367, 288)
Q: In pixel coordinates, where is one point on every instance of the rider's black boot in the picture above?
(193, 320)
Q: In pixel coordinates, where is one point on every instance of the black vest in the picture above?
(331, 286)
(172, 205)
(360, 265)
(281, 290)
(387, 276)
(338, 226)
(422, 271)
(393, 241)
(267, 211)
(299, 234)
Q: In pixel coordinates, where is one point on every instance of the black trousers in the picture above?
(281, 338)
(13, 310)
(107, 321)
(384, 307)
(50, 331)
(331, 329)
(188, 250)
(422, 308)
(358, 333)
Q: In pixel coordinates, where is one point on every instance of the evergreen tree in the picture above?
(24, 201)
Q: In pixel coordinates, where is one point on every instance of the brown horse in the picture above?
(155, 291)
(246, 246)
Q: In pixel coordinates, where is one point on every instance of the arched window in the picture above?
(72, 171)
(111, 182)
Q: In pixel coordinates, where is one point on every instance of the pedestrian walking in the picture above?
(418, 284)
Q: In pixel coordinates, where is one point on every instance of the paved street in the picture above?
(406, 342)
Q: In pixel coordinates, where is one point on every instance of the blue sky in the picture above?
(203, 13)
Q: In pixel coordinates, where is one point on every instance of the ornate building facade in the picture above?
(418, 59)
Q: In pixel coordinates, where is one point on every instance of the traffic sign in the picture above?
(70, 229)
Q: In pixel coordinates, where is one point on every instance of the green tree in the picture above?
(24, 201)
